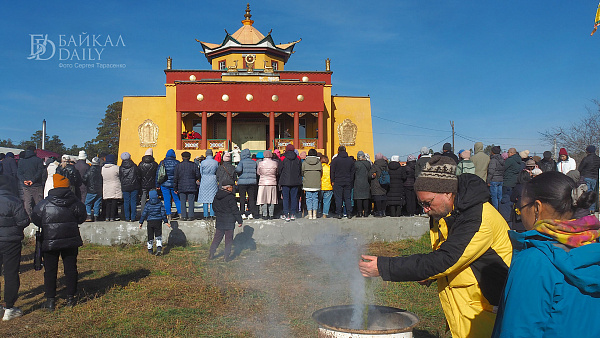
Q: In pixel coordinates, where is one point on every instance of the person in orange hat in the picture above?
(59, 216)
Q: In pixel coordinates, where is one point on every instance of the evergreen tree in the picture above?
(109, 128)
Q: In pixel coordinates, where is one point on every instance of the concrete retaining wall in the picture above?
(265, 232)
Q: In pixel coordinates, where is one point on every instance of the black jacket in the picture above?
(59, 216)
(148, 168)
(342, 169)
(395, 194)
(410, 174)
(186, 174)
(31, 168)
(93, 180)
(226, 210)
(69, 171)
(589, 166)
(290, 170)
(547, 164)
(226, 174)
(9, 166)
(130, 176)
(13, 218)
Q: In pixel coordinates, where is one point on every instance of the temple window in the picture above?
(197, 126)
(223, 65)
(302, 128)
(274, 65)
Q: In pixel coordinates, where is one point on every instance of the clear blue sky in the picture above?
(502, 71)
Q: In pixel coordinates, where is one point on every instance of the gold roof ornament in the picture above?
(248, 38)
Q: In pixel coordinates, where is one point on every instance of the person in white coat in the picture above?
(51, 169)
(111, 187)
(565, 163)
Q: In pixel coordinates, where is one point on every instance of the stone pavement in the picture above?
(266, 232)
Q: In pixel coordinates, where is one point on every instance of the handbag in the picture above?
(38, 260)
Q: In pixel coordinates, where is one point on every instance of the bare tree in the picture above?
(577, 136)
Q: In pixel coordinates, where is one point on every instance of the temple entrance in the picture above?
(251, 135)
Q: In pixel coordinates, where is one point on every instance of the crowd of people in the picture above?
(482, 268)
(539, 279)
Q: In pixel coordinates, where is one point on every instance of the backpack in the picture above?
(384, 178)
(162, 173)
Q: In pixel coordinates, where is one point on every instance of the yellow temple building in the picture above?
(247, 100)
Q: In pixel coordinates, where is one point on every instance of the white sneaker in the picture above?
(12, 313)
(243, 216)
(250, 216)
(287, 218)
(293, 217)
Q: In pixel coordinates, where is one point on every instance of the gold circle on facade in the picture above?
(249, 97)
(300, 98)
(199, 97)
(192, 77)
(275, 98)
(225, 97)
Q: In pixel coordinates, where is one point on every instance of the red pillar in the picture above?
(271, 130)
(204, 142)
(228, 130)
(296, 130)
(178, 128)
(320, 130)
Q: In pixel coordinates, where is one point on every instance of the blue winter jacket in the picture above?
(170, 163)
(550, 292)
(154, 209)
(246, 169)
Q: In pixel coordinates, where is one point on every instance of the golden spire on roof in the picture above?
(247, 21)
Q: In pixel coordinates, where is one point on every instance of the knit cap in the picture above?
(267, 154)
(590, 149)
(424, 150)
(447, 147)
(378, 156)
(289, 147)
(95, 161)
(438, 176)
(395, 158)
(60, 181)
(411, 158)
(496, 150)
(82, 155)
(563, 151)
(125, 156)
(66, 157)
(360, 155)
(209, 152)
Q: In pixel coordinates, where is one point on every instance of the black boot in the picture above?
(50, 304)
(71, 301)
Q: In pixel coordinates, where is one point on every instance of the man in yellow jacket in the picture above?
(471, 249)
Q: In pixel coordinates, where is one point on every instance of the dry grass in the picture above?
(269, 292)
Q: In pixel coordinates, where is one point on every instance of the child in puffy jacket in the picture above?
(155, 212)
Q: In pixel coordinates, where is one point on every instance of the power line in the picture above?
(410, 125)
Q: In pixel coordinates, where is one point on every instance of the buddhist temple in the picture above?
(247, 99)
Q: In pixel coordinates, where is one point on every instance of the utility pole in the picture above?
(44, 135)
(452, 125)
